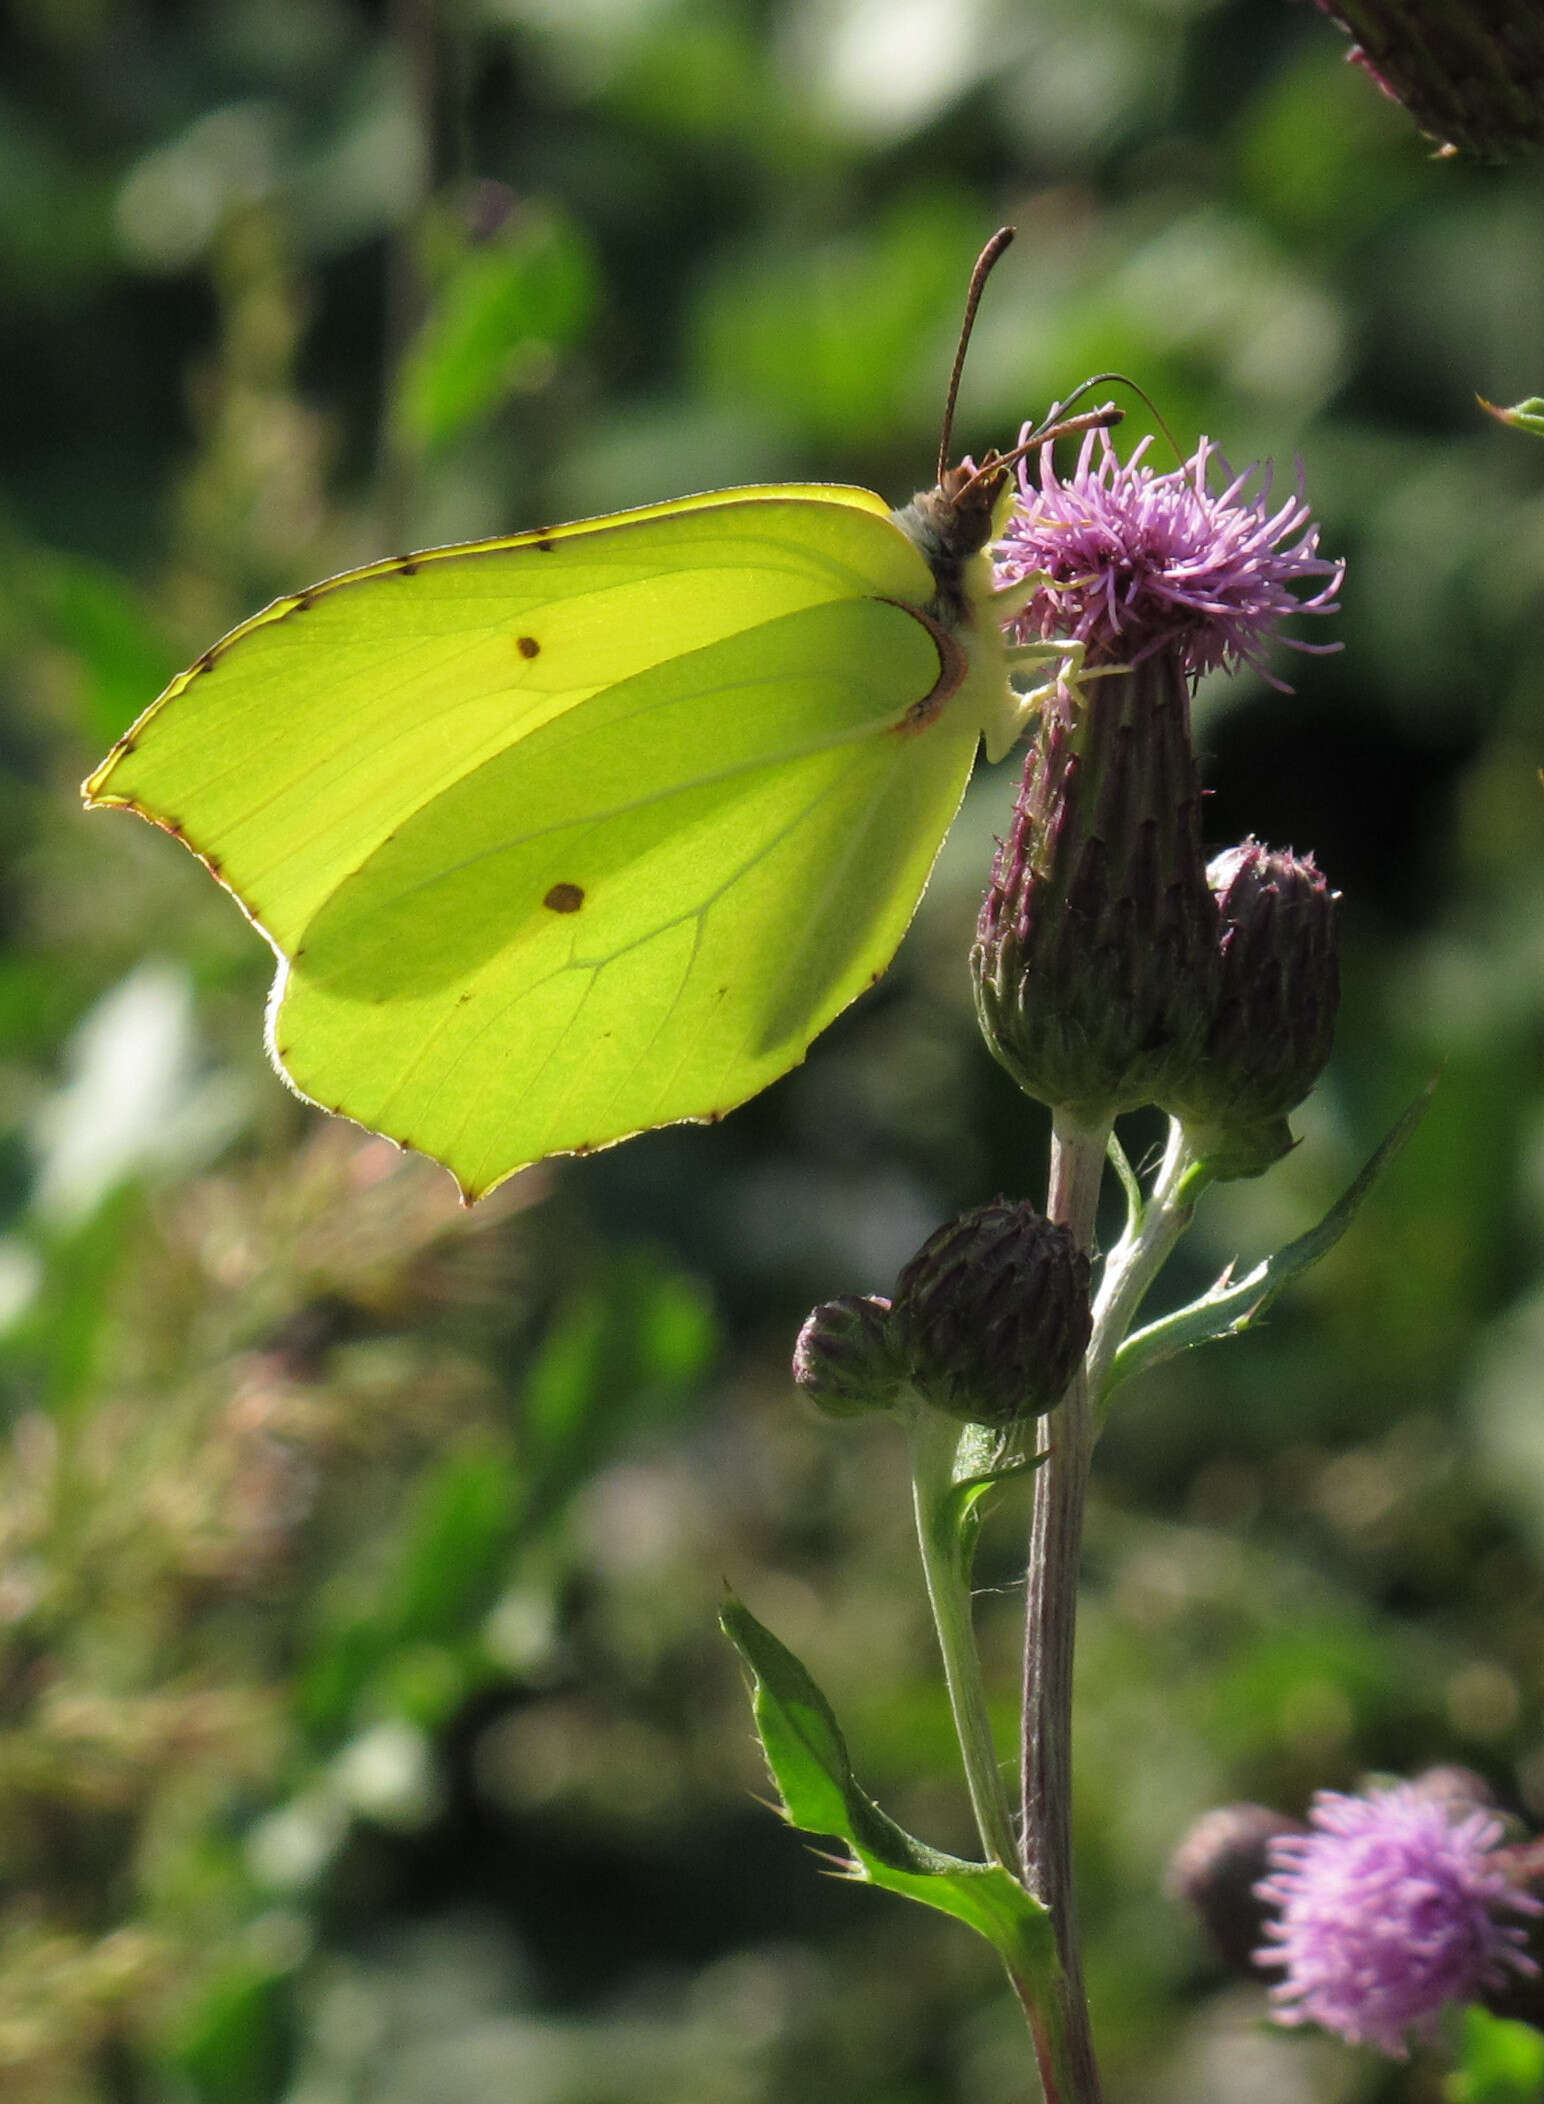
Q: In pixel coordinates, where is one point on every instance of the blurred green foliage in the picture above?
(364, 1731)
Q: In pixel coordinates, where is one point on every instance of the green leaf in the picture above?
(236, 2045)
(1130, 1183)
(1503, 2062)
(415, 1650)
(627, 1353)
(87, 610)
(808, 1758)
(457, 1551)
(984, 1459)
(1233, 1304)
(1522, 416)
(505, 308)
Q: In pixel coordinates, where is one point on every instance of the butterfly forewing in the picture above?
(302, 742)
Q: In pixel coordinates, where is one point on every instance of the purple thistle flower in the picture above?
(1386, 1911)
(1142, 561)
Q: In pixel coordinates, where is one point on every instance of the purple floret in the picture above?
(1141, 561)
(1387, 1910)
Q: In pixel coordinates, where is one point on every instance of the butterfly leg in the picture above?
(1009, 600)
(1059, 661)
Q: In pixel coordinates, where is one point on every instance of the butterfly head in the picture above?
(950, 525)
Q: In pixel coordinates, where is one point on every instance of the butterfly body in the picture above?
(591, 829)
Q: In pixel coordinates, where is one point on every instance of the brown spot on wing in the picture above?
(542, 545)
(565, 898)
(528, 646)
(406, 565)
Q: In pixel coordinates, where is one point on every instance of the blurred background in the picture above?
(365, 1735)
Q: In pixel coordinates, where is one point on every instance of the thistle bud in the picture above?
(992, 1315)
(843, 1360)
(1279, 987)
(1096, 951)
(1216, 1869)
(1470, 72)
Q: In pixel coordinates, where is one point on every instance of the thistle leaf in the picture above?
(808, 1758)
(1233, 1304)
(1522, 416)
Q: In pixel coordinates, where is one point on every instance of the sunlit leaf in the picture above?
(808, 1758)
(1503, 2062)
(1233, 1304)
(507, 306)
(1522, 416)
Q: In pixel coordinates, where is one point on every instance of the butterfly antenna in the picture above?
(1059, 425)
(1055, 426)
(1142, 395)
(978, 277)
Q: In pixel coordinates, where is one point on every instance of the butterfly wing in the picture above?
(566, 836)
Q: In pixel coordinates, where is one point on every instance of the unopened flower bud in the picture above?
(843, 1360)
(1462, 1790)
(1096, 953)
(992, 1315)
(1215, 1870)
(1470, 72)
(1278, 990)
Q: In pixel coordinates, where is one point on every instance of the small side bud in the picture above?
(1462, 1790)
(1215, 1870)
(1096, 950)
(1278, 990)
(992, 1315)
(843, 1360)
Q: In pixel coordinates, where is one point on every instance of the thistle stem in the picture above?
(1055, 1546)
(1136, 1260)
(933, 1441)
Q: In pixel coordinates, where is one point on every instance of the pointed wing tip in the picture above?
(96, 796)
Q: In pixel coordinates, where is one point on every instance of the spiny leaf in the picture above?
(1522, 416)
(808, 1758)
(1233, 1304)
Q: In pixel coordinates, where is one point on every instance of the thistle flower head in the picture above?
(1139, 561)
(1386, 1910)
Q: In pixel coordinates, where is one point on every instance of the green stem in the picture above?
(933, 1441)
(1136, 1260)
(1055, 1553)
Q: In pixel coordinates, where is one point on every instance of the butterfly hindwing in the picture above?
(642, 912)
